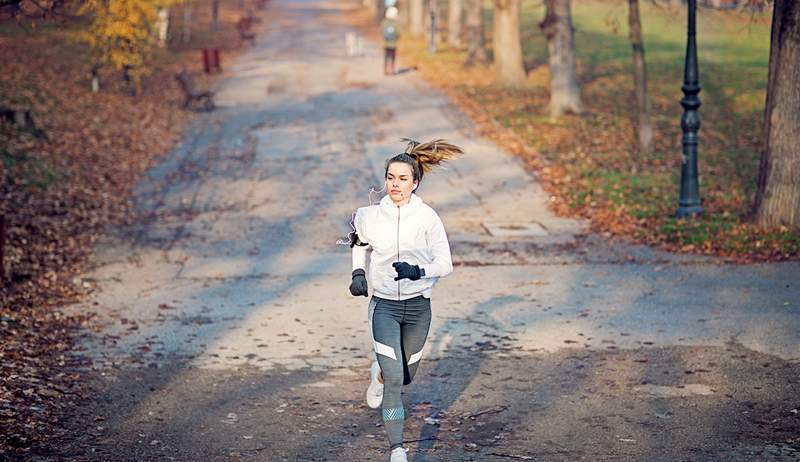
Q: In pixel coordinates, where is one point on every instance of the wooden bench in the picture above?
(23, 120)
(243, 26)
(204, 98)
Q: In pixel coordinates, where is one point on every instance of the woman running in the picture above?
(409, 253)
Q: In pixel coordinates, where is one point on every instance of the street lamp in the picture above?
(689, 203)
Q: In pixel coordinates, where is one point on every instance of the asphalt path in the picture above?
(224, 329)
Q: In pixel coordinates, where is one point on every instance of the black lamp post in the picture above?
(689, 203)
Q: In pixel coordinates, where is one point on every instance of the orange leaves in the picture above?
(590, 167)
(58, 195)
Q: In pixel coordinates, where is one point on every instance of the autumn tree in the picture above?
(777, 201)
(644, 127)
(475, 32)
(454, 20)
(122, 32)
(509, 68)
(565, 95)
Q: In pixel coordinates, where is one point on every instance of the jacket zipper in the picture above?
(398, 248)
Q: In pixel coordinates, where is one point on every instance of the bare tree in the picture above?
(416, 18)
(187, 22)
(215, 15)
(476, 35)
(432, 24)
(403, 16)
(565, 95)
(509, 69)
(777, 201)
(644, 128)
(454, 20)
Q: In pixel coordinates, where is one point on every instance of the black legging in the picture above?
(388, 60)
(399, 330)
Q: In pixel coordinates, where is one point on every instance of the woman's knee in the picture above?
(392, 377)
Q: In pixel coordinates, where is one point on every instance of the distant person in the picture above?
(391, 32)
(408, 253)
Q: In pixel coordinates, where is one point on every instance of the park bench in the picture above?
(243, 26)
(23, 120)
(204, 98)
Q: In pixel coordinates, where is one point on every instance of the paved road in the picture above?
(225, 331)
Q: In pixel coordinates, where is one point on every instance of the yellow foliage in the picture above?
(122, 32)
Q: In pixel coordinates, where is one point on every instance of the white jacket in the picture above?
(422, 241)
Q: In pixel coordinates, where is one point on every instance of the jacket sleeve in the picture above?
(439, 247)
(360, 256)
(361, 249)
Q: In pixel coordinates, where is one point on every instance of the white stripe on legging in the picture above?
(385, 350)
(415, 357)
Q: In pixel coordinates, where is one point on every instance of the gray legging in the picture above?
(399, 329)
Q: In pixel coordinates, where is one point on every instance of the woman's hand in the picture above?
(407, 271)
(359, 284)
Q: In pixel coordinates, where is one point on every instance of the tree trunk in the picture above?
(509, 69)
(403, 14)
(565, 95)
(162, 26)
(777, 201)
(454, 17)
(214, 15)
(187, 22)
(2, 249)
(644, 128)
(476, 34)
(416, 18)
(377, 7)
(433, 25)
(130, 80)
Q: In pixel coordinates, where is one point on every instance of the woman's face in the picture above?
(400, 182)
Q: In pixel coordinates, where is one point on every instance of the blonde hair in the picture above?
(422, 157)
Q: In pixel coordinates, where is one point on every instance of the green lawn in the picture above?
(597, 150)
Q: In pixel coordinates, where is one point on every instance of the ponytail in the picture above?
(422, 157)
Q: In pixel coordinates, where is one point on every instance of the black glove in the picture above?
(359, 284)
(406, 271)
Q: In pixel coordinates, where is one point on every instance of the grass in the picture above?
(590, 162)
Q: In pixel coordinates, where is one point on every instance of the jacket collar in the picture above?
(388, 206)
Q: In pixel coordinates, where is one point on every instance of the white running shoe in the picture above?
(399, 455)
(375, 389)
